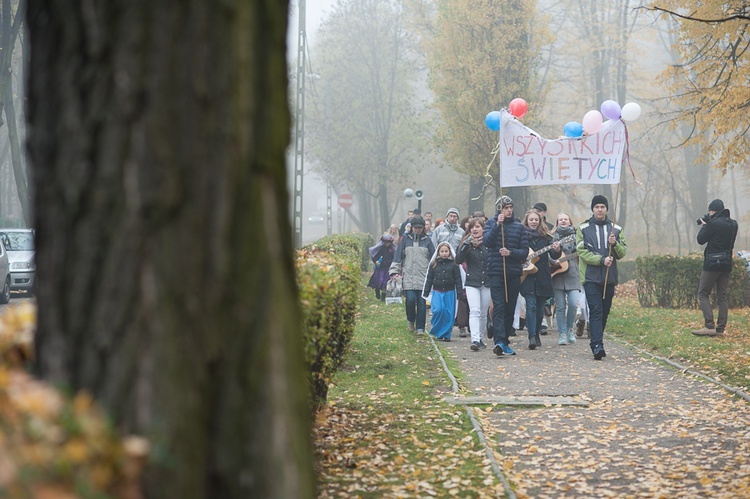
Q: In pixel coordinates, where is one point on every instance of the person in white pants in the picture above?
(472, 255)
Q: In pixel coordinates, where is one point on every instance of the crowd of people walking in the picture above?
(478, 273)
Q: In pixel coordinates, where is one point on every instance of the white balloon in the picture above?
(630, 111)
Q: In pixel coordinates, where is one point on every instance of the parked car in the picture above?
(4, 274)
(19, 245)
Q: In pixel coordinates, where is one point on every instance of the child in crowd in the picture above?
(382, 257)
(441, 288)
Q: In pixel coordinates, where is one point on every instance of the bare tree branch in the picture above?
(745, 17)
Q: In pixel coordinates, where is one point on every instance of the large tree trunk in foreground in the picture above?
(157, 137)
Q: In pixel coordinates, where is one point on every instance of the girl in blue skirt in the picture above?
(444, 283)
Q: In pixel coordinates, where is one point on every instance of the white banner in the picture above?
(528, 159)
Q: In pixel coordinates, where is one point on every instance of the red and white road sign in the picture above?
(346, 200)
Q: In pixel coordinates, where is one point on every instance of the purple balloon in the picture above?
(611, 110)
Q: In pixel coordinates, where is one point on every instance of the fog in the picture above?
(660, 178)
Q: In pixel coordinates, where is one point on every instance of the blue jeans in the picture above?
(502, 310)
(598, 311)
(566, 303)
(416, 308)
(534, 313)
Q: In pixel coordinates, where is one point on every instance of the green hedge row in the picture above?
(328, 276)
(672, 281)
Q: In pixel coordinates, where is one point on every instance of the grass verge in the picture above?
(386, 431)
(666, 332)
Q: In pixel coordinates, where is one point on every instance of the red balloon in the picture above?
(518, 107)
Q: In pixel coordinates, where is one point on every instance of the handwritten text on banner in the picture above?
(527, 159)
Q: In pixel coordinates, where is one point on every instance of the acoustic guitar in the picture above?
(529, 267)
(561, 264)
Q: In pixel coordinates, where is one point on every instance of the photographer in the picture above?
(719, 231)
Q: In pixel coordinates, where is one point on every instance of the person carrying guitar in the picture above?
(537, 287)
(566, 281)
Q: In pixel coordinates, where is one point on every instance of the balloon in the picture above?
(631, 111)
(611, 110)
(518, 107)
(592, 121)
(492, 120)
(573, 129)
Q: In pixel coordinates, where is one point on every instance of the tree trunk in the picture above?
(19, 172)
(164, 250)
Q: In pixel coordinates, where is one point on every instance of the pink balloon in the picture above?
(592, 122)
(518, 107)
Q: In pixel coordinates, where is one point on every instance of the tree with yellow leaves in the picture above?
(710, 86)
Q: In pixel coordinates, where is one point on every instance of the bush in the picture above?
(356, 244)
(672, 281)
(328, 281)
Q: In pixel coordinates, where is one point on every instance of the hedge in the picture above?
(670, 281)
(328, 274)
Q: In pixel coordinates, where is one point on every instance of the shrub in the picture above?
(355, 243)
(672, 281)
(328, 281)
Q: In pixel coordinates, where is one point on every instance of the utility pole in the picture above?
(299, 126)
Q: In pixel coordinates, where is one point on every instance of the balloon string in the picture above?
(487, 175)
(627, 156)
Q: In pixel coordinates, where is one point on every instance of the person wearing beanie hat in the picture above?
(718, 232)
(599, 199)
(449, 231)
(507, 250)
(599, 244)
(410, 261)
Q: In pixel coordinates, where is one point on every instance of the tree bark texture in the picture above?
(157, 132)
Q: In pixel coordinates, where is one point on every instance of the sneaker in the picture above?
(532, 344)
(475, 346)
(411, 327)
(420, 332)
(571, 338)
(706, 332)
(599, 353)
(506, 349)
(543, 331)
(482, 345)
(462, 332)
(498, 350)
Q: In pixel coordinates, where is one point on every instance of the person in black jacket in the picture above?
(444, 282)
(720, 232)
(472, 253)
(537, 287)
(507, 250)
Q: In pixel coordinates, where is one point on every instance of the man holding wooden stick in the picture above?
(507, 250)
(599, 243)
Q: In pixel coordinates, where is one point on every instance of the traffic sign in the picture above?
(346, 200)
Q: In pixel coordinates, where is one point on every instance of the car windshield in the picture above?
(18, 241)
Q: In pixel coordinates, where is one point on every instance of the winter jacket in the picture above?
(720, 233)
(411, 260)
(444, 276)
(515, 242)
(593, 247)
(539, 283)
(476, 263)
(450, 235)
(571, 278)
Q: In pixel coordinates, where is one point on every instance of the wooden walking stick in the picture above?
(614, 218)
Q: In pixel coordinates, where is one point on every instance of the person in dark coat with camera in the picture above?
(718, 232)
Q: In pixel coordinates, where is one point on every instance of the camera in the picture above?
(702, 219)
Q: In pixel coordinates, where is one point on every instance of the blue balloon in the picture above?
(573, 129)
(492, 120)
